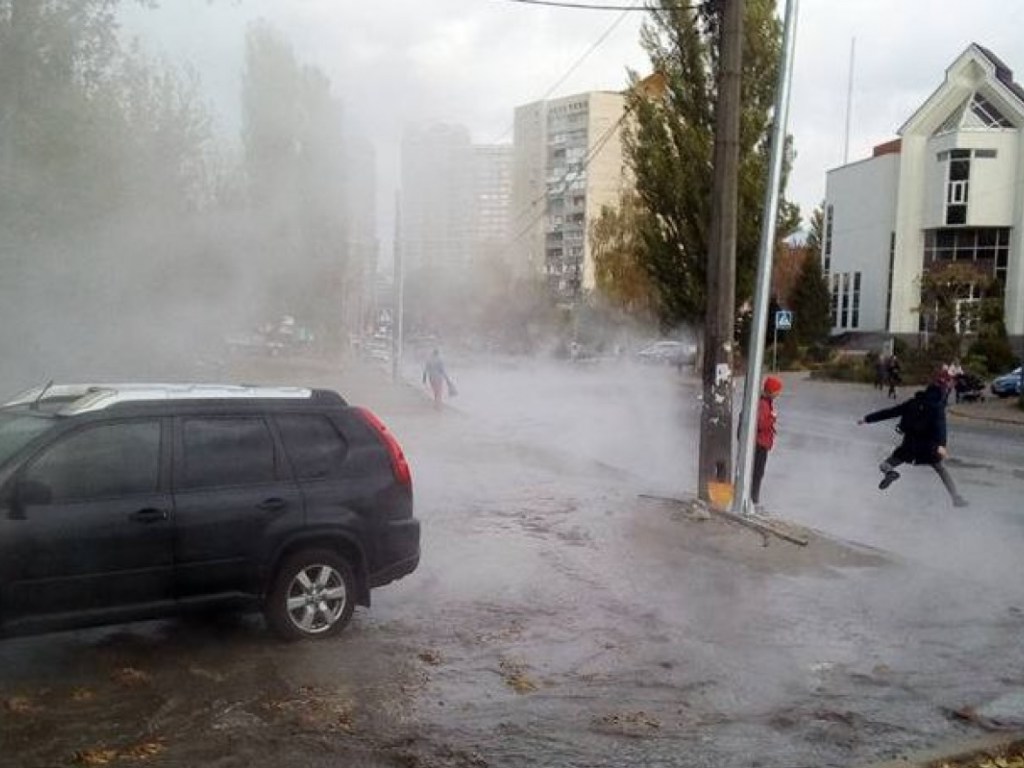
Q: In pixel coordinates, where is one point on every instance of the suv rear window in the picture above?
(227, 451)
(313, 444)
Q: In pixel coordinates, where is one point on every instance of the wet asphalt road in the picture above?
(558, 618)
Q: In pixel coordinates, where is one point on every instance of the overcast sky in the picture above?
(472, 61)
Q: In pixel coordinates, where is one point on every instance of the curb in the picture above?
(995, 419)
(956, 752)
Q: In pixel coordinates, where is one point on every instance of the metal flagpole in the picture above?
(849, 104)
(748, 427)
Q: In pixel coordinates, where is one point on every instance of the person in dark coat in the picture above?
(880, 371)
(893, 375)
(923, 426)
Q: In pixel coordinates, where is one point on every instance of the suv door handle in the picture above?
(148, 515)
(272, 504)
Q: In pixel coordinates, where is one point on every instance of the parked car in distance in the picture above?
(668, 353)
(122, 502)
(1007, 385)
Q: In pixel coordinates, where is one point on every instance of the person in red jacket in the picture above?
(765, 440)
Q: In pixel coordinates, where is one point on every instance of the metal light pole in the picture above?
(748, 429)
(398, 308)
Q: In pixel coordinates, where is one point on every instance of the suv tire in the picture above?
(313, 596)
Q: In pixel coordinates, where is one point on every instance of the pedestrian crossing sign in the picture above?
(784, 319)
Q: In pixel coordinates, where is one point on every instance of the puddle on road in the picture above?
(226, 693)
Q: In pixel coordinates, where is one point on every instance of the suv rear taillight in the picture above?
(399, 465)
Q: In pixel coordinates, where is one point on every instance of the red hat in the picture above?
(772, 385)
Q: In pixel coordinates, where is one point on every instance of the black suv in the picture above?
(121, 502)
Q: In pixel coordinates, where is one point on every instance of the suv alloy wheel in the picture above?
(313, 596)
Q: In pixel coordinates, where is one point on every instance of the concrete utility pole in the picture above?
(715, 468)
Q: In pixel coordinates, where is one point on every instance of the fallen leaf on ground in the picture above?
(345, 717)
(206, 673)
(431, 657)
(514, 674)
(20, 705)
(143, 751)
(631, 719)
(1015, 760)
(131, 676)
(95, 756)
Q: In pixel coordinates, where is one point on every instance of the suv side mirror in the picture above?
(29, 492)
(24, 493)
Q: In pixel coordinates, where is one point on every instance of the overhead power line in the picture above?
(575, 65)
(601, 7)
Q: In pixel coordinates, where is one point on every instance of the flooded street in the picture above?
(222, 223)
(560, 616)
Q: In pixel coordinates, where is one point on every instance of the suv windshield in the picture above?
(17, 430)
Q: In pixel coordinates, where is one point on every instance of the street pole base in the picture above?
(720, 495)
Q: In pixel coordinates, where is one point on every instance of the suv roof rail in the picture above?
(83, 398)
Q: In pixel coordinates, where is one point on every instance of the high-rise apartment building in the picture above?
(437, 198)
(492, 196)
(361, 229)
(567, 165)
(456, 199)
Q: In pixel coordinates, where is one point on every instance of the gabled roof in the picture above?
(1003, 73)
(977, 67)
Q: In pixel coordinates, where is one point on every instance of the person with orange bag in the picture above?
(435, 375)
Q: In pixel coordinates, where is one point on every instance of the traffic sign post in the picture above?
(783, 321)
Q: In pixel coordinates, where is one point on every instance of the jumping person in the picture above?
(923, 426)
(765, 441)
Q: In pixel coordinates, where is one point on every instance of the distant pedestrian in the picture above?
(923, 427)
(954, 383)
(893, 375)
(880, 371)
(435, 375)
(944, 379)
(765, 440)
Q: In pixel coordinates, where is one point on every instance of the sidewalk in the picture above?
(358, 381)
(1002, 410)
(966, 753)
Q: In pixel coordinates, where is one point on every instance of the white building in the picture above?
(567, 165)
(951, 188)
